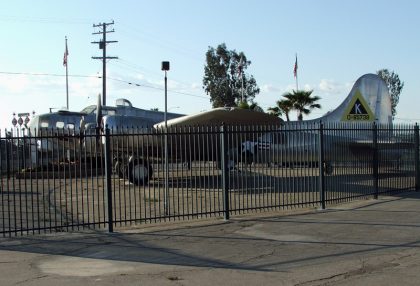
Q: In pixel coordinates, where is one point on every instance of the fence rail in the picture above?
(56, 180)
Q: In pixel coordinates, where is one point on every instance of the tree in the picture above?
(252, 105)
(224, 77)
(302, 102)
(282, 107)
(394, 85)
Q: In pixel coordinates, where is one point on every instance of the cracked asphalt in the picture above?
(369, 242)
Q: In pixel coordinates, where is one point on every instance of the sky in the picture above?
(336, 42)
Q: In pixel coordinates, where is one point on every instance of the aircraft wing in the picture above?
(222, 115)
(381, 145)
(363, 148)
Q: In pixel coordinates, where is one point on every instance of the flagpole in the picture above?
(296, 74)
(242, 78)
(67, 77)
(242, 89)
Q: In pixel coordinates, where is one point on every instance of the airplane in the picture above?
(287, 142)
(50, 131)
(368, 102)
(297, 142)
(71, 120)
(191, 137)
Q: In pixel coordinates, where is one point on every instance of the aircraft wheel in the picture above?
(230, 165)
(248, 157)
(139, 172)
(328, 168)
(120, 169)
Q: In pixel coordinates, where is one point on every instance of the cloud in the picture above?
(332, 93)
(323, 88)
(196, 86)
(291, 87)
(270, 88)
(328, 86)
(307, 87)
(139, 76)
(14, 83)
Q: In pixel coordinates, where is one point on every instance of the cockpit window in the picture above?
(92, 109)
(59, 124)
(44, 124)
(108, 112)
(89, 109)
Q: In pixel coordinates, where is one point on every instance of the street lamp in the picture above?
(165, 67)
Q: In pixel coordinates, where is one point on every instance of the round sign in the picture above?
(20, 121)
(14, 121)
(26, 120)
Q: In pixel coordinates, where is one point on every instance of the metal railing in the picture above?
(56, 180)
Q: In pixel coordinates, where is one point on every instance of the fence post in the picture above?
(375, 160)
(166, 169)
(321, 165)
(108, 173)
(416, 155)
(225, 171)
(8, 143)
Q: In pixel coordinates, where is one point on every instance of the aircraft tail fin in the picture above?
(368, 101)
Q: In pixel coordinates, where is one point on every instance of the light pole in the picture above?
(165, 67)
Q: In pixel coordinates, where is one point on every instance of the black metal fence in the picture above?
(56, 180)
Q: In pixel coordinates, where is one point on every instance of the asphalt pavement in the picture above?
(369, 242)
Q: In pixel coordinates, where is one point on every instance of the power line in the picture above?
(124, 64)
(154, 87)
(47, 74)
(407, 119)
(110, 78)
(43, 20)
(187, 52)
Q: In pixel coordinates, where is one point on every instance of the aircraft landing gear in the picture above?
(120, 169)
(139, 172)
(248, 157)
(328, 168)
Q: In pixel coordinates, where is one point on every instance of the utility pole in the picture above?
(102, 46)
(66, 63)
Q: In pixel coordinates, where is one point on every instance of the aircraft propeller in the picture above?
(99, 112)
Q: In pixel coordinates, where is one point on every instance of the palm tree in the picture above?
(282, 107)
(252, 105)
(303, 102)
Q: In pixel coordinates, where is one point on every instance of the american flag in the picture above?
(295, 68)
(66, 53)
